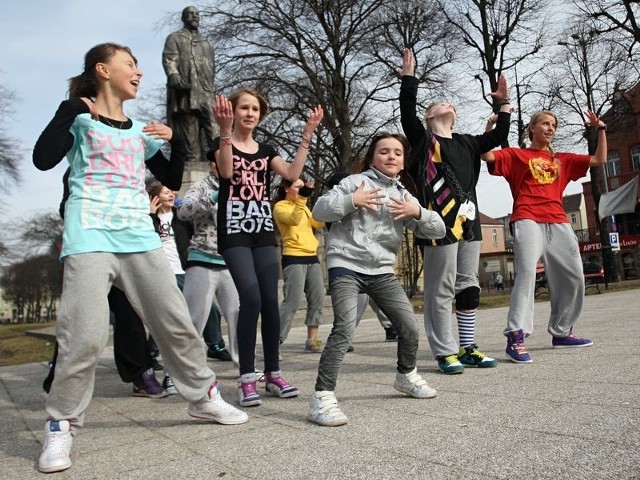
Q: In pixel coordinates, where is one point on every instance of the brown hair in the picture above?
(86, 84)
(281, 192)
(368, 157)
(365, 163)
(264, 106)
(155, 189)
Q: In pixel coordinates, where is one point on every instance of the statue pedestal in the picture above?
(193, 171)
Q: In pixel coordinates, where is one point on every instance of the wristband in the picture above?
(604, 127)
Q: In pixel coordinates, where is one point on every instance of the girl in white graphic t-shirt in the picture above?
(108, 240)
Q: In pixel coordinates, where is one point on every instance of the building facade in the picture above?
(623, 166)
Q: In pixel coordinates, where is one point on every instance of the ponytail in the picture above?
(86, 84)
(83, 85)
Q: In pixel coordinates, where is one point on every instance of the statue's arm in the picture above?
(171, 56)
(171, 63)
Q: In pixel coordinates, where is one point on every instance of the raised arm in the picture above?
(600, 157)
(412, 126)
(223, 114)
(494, 137)
(291, 171)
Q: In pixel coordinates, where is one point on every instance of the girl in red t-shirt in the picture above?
(537, 177)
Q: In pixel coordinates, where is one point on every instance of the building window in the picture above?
(574, 218)
(613, 164)
(494, 236)
(635, 158)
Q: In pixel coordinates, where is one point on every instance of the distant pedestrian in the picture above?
(499, 281)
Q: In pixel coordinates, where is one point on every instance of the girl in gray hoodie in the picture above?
(369, 211)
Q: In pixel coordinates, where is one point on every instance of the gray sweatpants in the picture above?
(201, 286)
(448, 270)
(82, 328)
(557, 244)
(299, 280)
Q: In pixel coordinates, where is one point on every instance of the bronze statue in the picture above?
(188, 61)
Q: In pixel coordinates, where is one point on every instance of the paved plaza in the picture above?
(573, 413)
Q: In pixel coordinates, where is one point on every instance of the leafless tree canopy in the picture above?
(10, 153)
(341, 54)
(617, 19)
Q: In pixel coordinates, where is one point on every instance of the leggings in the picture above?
(255, 274)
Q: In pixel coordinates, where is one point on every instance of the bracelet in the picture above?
(504, 101)
(225, 137)
(604, 128)
(491, 121)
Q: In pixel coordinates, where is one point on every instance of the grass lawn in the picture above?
(17, 348)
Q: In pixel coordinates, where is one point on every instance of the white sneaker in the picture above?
(56, 447)
(413, 384)
(215, 408)
(324, 410)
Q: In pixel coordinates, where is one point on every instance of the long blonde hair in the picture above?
(535, 118)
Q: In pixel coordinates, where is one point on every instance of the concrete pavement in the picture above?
(570, 414)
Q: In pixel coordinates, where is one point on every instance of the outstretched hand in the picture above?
(154, 204)
(594, 121)
(223, 113)
(158, 131)
(408, 64)
(502, 92)
(369, 199)
(315, 117)
(404, 208)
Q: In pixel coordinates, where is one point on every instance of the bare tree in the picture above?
(339, 54)
(10, 153)
(591, 71)
(40, 234)
(503, 35)
(33, 285)
(618, 19)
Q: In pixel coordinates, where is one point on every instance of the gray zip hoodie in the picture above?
(363, 240)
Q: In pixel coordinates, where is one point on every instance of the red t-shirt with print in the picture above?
(537, 181)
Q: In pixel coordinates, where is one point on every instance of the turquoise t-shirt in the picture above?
(108, 206)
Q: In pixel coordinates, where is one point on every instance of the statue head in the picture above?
(191, 18)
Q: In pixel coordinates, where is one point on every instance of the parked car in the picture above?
(592, 270)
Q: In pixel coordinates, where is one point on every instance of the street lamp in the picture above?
(591, 134)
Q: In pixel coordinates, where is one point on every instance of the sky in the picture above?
(42, 45)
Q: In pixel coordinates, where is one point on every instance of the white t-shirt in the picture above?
(169, 242)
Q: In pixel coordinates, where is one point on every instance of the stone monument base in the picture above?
(193, 171)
